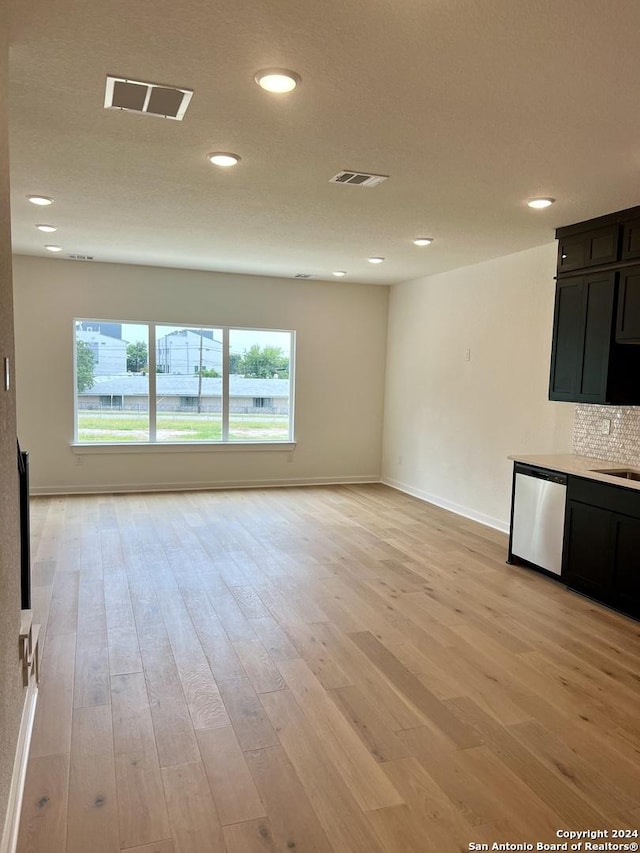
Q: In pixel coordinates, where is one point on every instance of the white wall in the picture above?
(449, 423)
(341, 341)
(11, 691)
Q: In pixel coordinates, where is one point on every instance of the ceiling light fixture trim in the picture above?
(540, 203)
(376, 259)
(279, 81)
(339, 273)
(40, 200)
(53, 248)
(48, 229)
(423, 241)
(223, 158)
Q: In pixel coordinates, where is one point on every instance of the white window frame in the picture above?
(152, 444)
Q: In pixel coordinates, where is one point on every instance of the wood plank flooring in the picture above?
(324, 670)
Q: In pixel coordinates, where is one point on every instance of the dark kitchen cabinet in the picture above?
(588, 249)
(601, 555)
(628, 319)
(626, 581)
(595, 355)
(630, 240)
(582, 338)
(568, 338)
(587, 539)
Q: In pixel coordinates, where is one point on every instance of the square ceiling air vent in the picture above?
(358, 179)
(150, 98)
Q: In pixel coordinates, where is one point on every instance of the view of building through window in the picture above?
(188, 384)
(147, 382)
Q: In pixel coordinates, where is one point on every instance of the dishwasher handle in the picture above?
(541, 474)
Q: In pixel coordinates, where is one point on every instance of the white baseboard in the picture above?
(458, 509)
(112, 488)
(9, 841)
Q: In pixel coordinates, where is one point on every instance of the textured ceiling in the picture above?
(471, 108)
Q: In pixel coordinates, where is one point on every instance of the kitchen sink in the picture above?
(623, 473)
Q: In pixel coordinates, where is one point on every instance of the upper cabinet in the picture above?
(590, 249)
(595, 356)
(630, 240)
(582, 338)
(628, 320)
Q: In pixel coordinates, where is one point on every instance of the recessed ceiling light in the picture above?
(539, 203)
(48, 229)
(423, 241)
(278, 80)
(375, 260)
(223, 158)
(339, 273)
(53, 248)
(42, 200)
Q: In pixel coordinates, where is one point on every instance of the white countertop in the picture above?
(581, 466)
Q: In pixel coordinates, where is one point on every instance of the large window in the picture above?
(155, 383)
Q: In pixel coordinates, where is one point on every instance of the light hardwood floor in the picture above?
(321, 670)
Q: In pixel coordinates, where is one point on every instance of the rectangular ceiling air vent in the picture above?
(359, 179)
(302, 275)
(150, 98)
(80, 257)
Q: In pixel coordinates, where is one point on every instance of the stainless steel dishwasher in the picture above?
(537, 520)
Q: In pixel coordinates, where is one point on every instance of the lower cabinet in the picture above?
(601, 554)
(587, 564)
(626, 585)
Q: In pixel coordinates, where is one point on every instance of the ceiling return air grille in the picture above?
(150, 98)
(358, 179)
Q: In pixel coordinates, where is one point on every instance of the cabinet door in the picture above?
(631, 240)
(582, 338)
(626, 578)
(568, 336)
(588, 249)
(628, 320)
(588, 553)
(593, 367)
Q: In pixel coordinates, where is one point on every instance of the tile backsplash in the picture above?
(622, 444)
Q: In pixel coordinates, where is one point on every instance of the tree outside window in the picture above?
(85, 362)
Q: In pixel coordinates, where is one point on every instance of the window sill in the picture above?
(84, 449)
